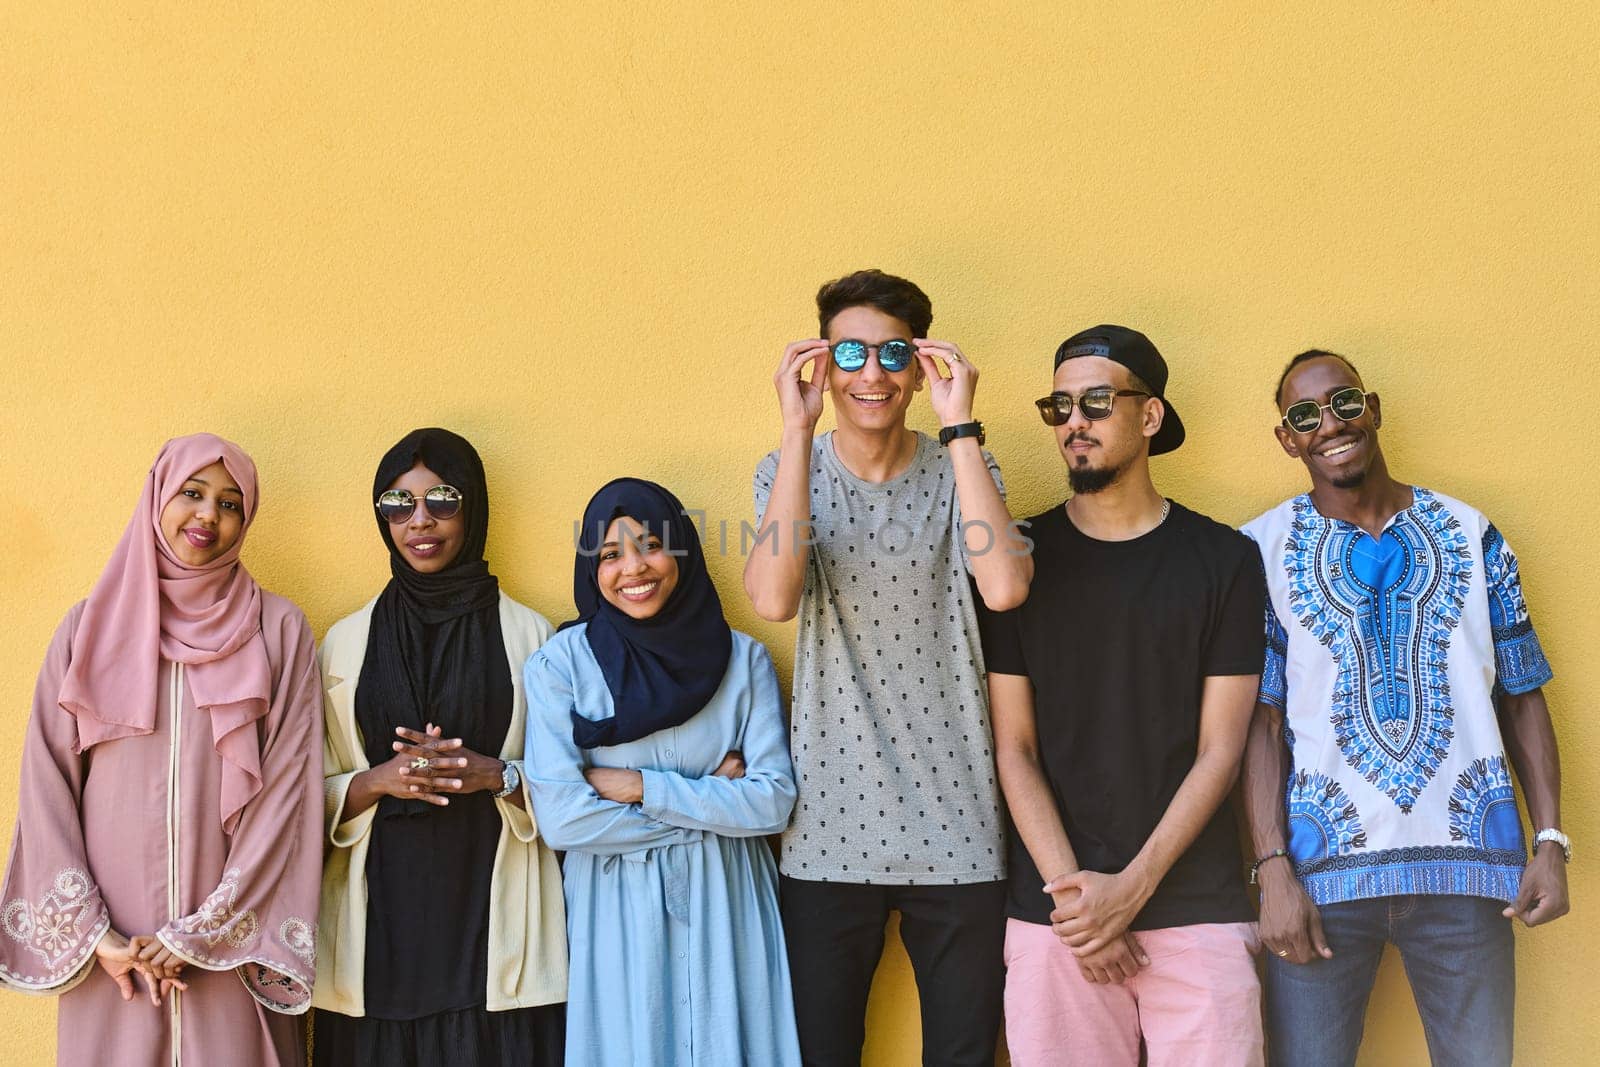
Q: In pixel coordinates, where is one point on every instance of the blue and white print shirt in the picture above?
(1386, 656)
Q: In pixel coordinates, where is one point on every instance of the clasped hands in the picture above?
(1091, 917)
(428, 766)
(156, 965)
(623, 786)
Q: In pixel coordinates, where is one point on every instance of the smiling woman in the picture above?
(179, 682)
(656, 735)
(205, 519)
(460, 959)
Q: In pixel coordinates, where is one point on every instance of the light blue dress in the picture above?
(676, 945)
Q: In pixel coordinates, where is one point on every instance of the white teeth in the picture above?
(1341, 450)
(425, 546)
(639, 590)
(872, 396)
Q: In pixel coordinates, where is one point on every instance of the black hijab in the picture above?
(435, 652)
(660, 670)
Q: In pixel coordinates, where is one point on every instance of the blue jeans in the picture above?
(1458, 956)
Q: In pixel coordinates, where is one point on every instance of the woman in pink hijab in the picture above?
(164, 873)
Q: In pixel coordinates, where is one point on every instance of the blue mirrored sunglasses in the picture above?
(851, 355)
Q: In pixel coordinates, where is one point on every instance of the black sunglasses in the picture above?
(398, 505)
(1096, 404)
(1305, 416)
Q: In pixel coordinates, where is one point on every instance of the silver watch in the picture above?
(509, 780)
(1558, 837)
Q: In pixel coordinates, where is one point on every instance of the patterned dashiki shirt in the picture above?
(1386, 656)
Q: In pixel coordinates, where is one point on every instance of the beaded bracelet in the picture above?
(1274, 854)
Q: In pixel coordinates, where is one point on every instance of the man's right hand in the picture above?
(801, 400)
(1291, 926)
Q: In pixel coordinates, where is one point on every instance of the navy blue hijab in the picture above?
(660, 670)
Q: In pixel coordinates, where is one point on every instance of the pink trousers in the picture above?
(1198, 1001)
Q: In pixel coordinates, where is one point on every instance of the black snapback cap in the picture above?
(1133, 350)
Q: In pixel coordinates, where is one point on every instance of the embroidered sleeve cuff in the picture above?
(1519, 660)
(221, 935)
(50, 940)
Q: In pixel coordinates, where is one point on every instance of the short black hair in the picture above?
(1306, 357)
(875, 289)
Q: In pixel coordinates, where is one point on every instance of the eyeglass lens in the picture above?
(398, 505)
(1347, 404)
(1096, 404)
(851, 355)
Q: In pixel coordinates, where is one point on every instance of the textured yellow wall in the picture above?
(581, 237)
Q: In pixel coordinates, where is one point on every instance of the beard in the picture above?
(1352, 480)
(1092, 479)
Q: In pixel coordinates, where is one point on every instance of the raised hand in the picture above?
(801, 400)
(951, 397)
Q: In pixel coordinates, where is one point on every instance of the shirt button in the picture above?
(669, 751)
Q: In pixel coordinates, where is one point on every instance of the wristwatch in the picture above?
(1558, 837)
(962, 429)
(509, 780)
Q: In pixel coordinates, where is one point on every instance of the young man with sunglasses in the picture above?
(1121, 693)
(1401, 671)
(869, 534)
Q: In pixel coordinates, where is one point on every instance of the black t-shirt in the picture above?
(1118, 638)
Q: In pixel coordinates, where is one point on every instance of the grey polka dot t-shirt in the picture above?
(889, 725)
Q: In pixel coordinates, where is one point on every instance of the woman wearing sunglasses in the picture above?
(167, 784)
(657, 758)
(441, 937)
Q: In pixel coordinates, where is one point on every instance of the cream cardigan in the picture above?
(527, 920)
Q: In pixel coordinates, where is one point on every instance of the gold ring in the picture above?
(420, 763)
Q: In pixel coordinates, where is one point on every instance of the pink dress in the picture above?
(129, 835)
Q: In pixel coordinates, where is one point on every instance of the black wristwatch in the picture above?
(962, 429)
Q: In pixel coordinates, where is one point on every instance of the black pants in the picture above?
(955, 936)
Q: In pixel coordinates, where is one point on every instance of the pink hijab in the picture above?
(148, 606)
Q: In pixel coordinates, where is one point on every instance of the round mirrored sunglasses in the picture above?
(398, 505)
(851, 355)
(1096, 404)
(1305, 416)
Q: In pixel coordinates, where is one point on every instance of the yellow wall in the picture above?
(582, 236)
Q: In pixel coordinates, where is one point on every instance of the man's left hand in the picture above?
(952, 396)
(1543, 895)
